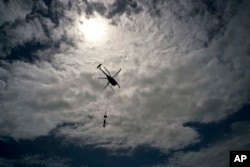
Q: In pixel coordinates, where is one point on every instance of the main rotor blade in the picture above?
(117, 73)
(107, 71)
(106, 85)
(103, 72)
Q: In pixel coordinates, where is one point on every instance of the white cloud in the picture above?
(169, 77)
(40, 98)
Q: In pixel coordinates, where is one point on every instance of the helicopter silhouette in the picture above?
(110, 78)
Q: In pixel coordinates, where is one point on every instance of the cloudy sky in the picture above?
(184, 96)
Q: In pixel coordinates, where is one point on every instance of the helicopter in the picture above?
(110, 78)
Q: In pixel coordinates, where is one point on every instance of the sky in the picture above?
(184, 96)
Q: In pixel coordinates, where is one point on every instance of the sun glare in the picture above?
(93, 29)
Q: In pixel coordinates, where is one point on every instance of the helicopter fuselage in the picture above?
(112, 80)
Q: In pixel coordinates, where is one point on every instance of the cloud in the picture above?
(12, 11)
(32, 98)
(217, 153)
(35, 160)
(174, 81)
(174, 70)
(39, 25)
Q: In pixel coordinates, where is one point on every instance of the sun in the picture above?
(93, 29)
